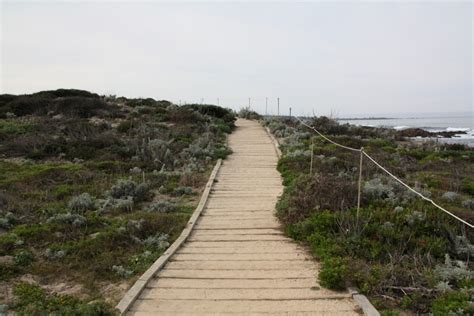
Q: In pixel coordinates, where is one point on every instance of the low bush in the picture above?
(183, 191)
(216, 111)
(72, 219)
(14, 128)
(468, 204)
(162, 207)
(249, 114)
(468, 186)
(31, 299)
(329, 126)
(129, 188)
(157, 242)
(333, 273)
(309, 194)
(450, 196)
(23, 258)
(81, 203)
(453, 303)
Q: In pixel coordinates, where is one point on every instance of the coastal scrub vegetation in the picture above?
(93, 189)
(406, 255)
(249, 114)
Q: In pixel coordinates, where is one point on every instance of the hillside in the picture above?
(93, 189)
(406, 255)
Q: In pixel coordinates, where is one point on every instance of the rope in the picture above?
(390, 174)
(417, 193)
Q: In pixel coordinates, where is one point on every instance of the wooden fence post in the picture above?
(312, 153)
(360, 184)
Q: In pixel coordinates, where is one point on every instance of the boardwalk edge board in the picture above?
(363, 303)
(360, 299)
(134, 292)
(276, 143)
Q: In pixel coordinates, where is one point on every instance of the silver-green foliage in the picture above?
(450, 196)
(122, 204)
(81, 203)
(162, 207)
(183, 191)
(376, 189)
(129, 188)
(415, 217)
(7, 220)
(73, 219)
(463, 246)
(51, 254)
(158, 241)
(121, 271)
(453, 271)
(468, 204)
(299, 153)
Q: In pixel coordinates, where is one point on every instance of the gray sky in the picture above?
(358, 58)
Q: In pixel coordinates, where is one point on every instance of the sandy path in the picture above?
(237, 261)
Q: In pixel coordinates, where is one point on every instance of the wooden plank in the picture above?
(239, 294)
(243, 306)
(190, 283)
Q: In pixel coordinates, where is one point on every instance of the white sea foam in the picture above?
(469, 135)
(457, 129)
(401, 128)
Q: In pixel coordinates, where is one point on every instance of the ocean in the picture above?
(451, 122)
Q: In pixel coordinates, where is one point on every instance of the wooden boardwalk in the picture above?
(237, 261)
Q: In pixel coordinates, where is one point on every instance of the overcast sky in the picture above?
(351, 58)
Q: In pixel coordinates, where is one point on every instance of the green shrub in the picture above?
(453, 303)
(81, 203)
(63, 190)
(31, 299)
(322, 222)
(125, 188)
(225, 115)
(162, 207)
(247, 113)
(333, 273)
(157, 242)
(221, 152)
(63, 93)
(143, 261)
(183, 191)
(307, 195)
(12, 128)
(8, 220)
(122, 271)
(73, 219)
(23, 258)
(468, 186)
(329, 126)
(125, 126)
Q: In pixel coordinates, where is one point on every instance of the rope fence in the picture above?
(362, 154)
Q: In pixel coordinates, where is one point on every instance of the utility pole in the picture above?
(278, 106)
(290, 111)
(266, 105)
(218, 102)
(249, 103)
